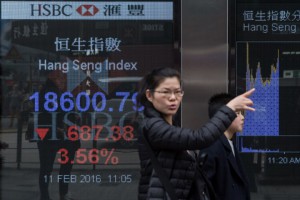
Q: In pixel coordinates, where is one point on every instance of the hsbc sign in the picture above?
(86, 10)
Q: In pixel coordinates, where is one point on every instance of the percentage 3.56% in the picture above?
(89, 156)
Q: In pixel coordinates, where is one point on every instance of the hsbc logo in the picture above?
(87, 10)
(51, 10)
(62, 10)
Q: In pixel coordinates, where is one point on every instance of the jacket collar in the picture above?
(150, 112)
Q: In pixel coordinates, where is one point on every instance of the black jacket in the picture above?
(226, 172)
(170, 144)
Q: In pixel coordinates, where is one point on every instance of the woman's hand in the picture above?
(242, 102)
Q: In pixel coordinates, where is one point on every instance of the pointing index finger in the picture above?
(248, 93)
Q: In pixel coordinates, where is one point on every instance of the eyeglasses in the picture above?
(168, 93)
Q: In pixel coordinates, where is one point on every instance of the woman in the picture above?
(161, 94)
(49, 147)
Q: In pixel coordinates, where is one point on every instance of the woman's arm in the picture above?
(162, 135)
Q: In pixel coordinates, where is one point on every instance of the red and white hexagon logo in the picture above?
(87, 10)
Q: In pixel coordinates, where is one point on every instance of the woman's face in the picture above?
(166, 98)
(60, 81)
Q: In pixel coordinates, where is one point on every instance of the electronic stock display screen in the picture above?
(69, 76)
(267, 57)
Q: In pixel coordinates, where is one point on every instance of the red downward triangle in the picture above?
(42, 132)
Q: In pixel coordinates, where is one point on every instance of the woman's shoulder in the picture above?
(152, 121)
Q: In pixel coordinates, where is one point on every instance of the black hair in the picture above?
(217, 101)
(152, 81)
